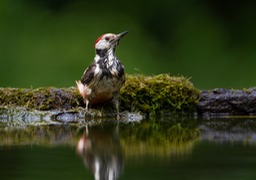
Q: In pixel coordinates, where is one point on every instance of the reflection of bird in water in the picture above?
(102, 153)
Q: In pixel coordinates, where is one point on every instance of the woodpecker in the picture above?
(102, 80)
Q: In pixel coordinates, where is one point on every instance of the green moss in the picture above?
(140, 93)
(47, 98)
(161, 92)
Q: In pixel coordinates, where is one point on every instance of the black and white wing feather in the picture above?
(88, 74)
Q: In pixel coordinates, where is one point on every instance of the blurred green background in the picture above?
(50, 42)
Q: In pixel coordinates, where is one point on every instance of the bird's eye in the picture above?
(107, 38)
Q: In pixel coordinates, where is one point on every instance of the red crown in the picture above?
(97, 40)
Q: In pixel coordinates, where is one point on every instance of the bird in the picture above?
(102, 80)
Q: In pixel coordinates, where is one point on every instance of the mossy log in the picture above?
(140, 93)
(144, 94)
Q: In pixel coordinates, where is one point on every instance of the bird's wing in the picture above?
(88, 74)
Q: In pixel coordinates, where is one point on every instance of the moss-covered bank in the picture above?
(46, 98)
(145, 94)
(156, 93)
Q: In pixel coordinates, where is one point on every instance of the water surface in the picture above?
(165, 148)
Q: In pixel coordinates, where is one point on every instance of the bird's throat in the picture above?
(106, 56)
(102, 52)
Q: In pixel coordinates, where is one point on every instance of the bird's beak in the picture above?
(118, 37)
(122, 34)
(116, 40)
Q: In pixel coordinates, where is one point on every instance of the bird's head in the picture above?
(108, 41)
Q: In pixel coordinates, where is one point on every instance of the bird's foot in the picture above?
(118, 117)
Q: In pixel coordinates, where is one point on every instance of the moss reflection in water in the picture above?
(160, 139)
(46, 135)
(108, 145)
(147, 137)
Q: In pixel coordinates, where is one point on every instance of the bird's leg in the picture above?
(85, 112)
(86, 101)
(116, 104)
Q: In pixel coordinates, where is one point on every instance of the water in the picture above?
(168, 148)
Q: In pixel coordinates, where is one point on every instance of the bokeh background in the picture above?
(50, 42)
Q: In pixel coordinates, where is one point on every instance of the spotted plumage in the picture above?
(102, 80)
